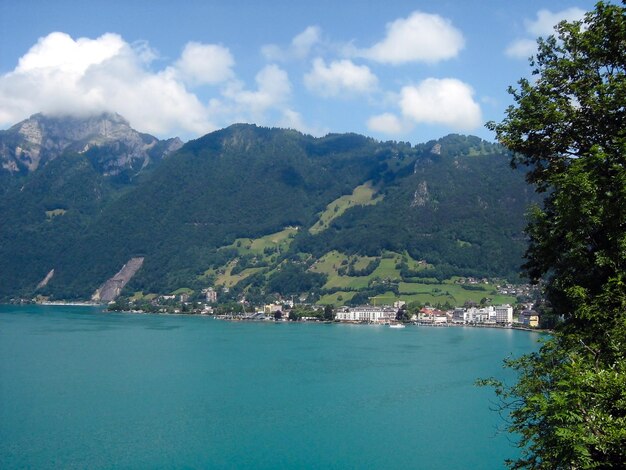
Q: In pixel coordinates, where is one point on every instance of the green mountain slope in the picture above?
(454, 203)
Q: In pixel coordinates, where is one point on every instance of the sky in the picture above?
(398, 70)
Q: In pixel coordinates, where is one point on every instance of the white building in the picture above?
(211, 295)
(367, 313)
(504, 314)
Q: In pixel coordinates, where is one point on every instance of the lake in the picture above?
(80, 388)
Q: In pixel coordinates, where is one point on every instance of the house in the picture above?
(433, 315)
(529, 318)
(270, 309)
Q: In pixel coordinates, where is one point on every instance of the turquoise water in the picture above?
(84, 389)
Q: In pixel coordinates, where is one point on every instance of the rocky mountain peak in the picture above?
(41, 138)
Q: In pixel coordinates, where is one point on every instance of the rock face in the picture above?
(111, 289)
(421, 197)
(45, 280)
(106, 138)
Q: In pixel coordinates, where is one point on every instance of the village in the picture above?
(523, 316)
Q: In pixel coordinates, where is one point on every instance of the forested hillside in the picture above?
(453, 205)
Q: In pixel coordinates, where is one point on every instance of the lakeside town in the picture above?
(522, 315)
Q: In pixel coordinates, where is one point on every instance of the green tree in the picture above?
(568, 125)
(329, 312)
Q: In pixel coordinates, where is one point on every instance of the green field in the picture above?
(279, 241)
(362, 195)
(182, 290)
(429, 291)
(336, 265)
(338, 298)
(227, 279)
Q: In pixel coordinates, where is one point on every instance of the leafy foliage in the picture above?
(569, 127)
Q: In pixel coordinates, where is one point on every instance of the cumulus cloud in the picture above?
(263, 105)
(293, 120)
(339, 77)
(304, 42)
(60, 75)
(542, 26)
(273, 89)
(58, 51)
(445, 101)
(300, 47)
(421, 37)
(205, 64)
(387, 123)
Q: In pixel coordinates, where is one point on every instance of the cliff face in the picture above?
(107, 138)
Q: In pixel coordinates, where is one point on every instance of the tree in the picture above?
(403, 314)
(329, 312)
(568, 126)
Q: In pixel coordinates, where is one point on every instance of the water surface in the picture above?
(80, 388)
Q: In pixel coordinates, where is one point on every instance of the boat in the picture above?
(396, 325)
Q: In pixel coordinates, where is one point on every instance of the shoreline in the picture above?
(238, 319)
(229, 318)
(70, 304)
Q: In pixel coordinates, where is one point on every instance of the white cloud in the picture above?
(273, 89)
(446, 101)
(205, 64)
(387, 123)
(59, 52)
(241, 105)
(521, 48)
(303, 43)
(62, 75)
(341, 76)
(422, 37)
(546, 20)
(300, 47)
(293, 120)
(542, 26)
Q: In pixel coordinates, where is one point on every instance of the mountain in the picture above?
(107, 139)
(259, 211)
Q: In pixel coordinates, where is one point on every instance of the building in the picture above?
(433, 315)
(529, 318)
(211, 295)
(482, 314)
(367, 313)
(270, 309)
(504, 314)
(459, 315)
(501, 314)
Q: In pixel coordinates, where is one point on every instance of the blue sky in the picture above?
(393, 70)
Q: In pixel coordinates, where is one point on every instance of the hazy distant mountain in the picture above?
(454, 204)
